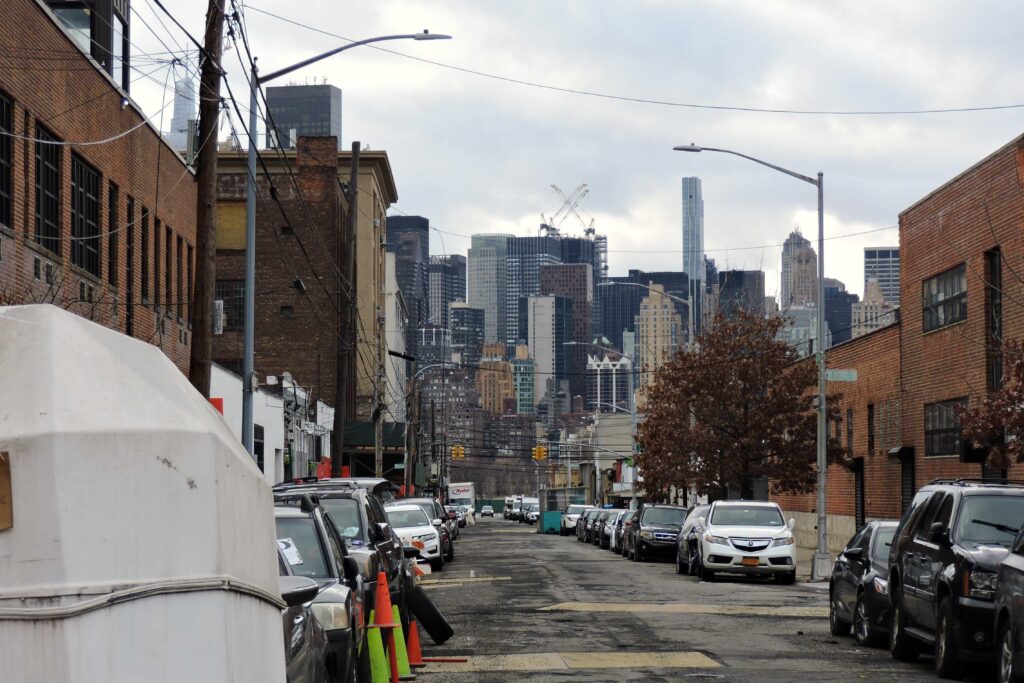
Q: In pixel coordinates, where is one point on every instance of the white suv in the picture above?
(747, 537)
(572, 513)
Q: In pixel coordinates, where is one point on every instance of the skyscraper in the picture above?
(573, 281)
(883, 264)
(839, 310)
(296, 110)
(522, 278)
(740, 290)
(184, 111)
(485, 282)
(408, 237)
(621, 303)
(693, 247)
(546, 326)
(447, 284)
(874, 312)
(660, 331)
(467, 334)
(799, 272)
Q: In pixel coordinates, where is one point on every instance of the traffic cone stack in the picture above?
(404, 672)
(381, 619)
(375, 645)
(415, 653)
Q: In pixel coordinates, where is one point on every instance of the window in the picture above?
(849, 431)
(871, 428)
(85, 216)
(994, 319)
(945, 298)
(190, 257)
(232, 293)
(168, 260)
(257, 445)
(288, 311)
(144, 231)
(858, 493)
(129, 272)
(77, 20)
(180, 289)
(942, 427)
(6, 160)
(49, 155)
(113, 206)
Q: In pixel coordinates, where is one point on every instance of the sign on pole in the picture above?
(841, 375)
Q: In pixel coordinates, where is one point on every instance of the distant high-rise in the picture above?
(608, 382)
(883, 264)
(693, 247)
(573, 281)
(546, 326)
(408, 237)
(485, 282)
(660, 331)
(740, 290)
(447, 284)
(295, 110)
(433, 345)
(184, 111)
(522, 278)
(523, 369)
(799, 272)
(839, 310)
(873, 312)
(621, 302)
(466, 325)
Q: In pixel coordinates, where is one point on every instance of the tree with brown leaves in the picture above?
(734, 408)
(996, 425)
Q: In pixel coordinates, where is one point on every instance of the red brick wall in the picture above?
(981, 209)
(876, 358)
(77, 102)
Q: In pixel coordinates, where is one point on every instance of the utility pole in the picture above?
(201, 306)
(380, 397)
(433, 436)
(345, 357)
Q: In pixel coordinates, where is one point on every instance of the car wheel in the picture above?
(705, 573)
(638, 554)
(438, 564)
(693, 562)
(787, 578)
(863, 632)
(947, 655)
(451, 552)
(902, 646)
(679, 564)
(1007, 671)
(836, 626)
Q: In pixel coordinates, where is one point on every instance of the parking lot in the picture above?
(537, 607)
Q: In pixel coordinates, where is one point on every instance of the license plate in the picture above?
(750, 561)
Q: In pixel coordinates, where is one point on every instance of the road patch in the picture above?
(683, 608)
(564, 661)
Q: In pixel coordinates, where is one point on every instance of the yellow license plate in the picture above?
(750, 562)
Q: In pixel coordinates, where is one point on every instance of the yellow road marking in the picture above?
(682, 608)
(479, 579)
(443, 585)
(561, 661)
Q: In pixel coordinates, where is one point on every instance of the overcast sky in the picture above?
(476, 154)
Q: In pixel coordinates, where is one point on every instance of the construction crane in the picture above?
(569, 203)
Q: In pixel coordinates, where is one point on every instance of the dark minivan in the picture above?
(942, 570)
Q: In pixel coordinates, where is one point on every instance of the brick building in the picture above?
(97, 212)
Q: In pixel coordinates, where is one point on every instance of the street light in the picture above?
(822, 563)
(249, 333)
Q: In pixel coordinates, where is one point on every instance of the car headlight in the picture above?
(646, 534)
(785, 540)
(711, 538)
(881, 585)
(331, 615)
(425, 537)
(983, 584)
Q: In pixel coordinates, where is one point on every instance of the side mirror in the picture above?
(410, 552)
(436, 522)
(297, 590)
(383, 531)
(792, 524)
(937, 532)
(350, 567)
(853, 553)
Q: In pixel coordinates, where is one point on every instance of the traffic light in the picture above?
(462, 452)
(458, 452)
(540, 453)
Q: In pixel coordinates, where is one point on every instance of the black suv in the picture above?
(655, 530)
(942, 576)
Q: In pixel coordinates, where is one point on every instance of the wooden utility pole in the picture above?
(346, 357)
(201, 306)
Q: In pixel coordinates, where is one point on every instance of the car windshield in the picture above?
(575, 509)
(428, 509)
(298, 539)
(747, 515)
(990, 519)
(344, 513)
(663, 516)
(401, 519)
(882, 544)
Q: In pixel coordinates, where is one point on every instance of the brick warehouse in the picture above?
(106, 230)
(962, 291)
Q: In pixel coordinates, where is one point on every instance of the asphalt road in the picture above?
(527, 607)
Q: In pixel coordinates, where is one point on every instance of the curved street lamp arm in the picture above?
(799, 176)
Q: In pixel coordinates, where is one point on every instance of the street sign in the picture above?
(841, 375)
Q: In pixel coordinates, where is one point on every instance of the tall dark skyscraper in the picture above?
(741, 290)
(839, 310)
(467, 334)
(305, 109)
(522, 275)
(883, 264)
(621, 302)
(447, 284)
(693, 245)
(573, 281)
(409, 239)
(486, 280)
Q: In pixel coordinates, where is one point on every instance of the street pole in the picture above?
(248, 343)
(822, 564)
(632, 429)
(201, 306)
(345, 355)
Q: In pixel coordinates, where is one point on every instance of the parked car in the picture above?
(305, 641)
(597, 537)
(588, 525)
(359, 516)
(858, 589)
(615, 533)
(942, 570)
(625, 533)
(384, 489)
(460, 516)
(531, 514)
(581, 523)
(688, 540)
(524, 509)
(516, 514)
(569, 518)
(313, 548)
(608, 529)
(747, 537)
(655, 530)
(510, 503)
(433, 510)
(417, 530)
(1009, 624)
(487, 511)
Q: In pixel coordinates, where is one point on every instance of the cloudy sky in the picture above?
(479, 154)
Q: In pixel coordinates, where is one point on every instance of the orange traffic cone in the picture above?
(415, 654)
(383, 619)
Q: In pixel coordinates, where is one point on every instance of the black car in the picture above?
(859, 586)
(942, 570)
(305, 641)
(688, 540)
(583, 523)
(590, 526)
(597, 527)
(655, 531)
(1009, 626)
(625, 542)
